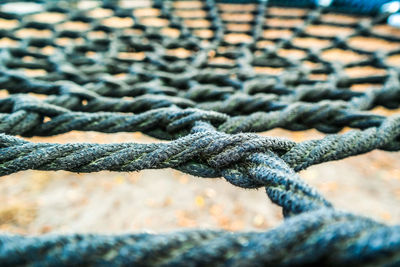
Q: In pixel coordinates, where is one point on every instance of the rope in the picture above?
(209, 111)
(26, 118)
(322, 237)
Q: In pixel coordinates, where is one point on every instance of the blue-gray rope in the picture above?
(206, 153)
(245, 160)
(219, 150)
(24, 115)
(209, 153)
(322, 237)
(208, 116)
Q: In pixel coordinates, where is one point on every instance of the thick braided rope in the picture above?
(206, 153)
(26, 118)
(207, 116)
(323, 237)
(233, 103)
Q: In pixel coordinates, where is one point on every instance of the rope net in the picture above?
(206, 76)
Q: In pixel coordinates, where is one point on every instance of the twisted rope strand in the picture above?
(323, 237)
(26, 118)
(298, 156)
(235, 104)
(205, 153)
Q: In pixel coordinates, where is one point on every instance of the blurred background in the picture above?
(36, 202)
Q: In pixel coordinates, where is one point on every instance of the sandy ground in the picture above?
(36, 202)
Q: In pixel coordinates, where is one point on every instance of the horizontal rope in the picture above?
(27, 114)
(233, 104)
(323, 237)
(206, 153)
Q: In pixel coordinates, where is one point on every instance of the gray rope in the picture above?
(24, 116)
(206, 153)
(208, 116)
(298, 156)
(323, 237)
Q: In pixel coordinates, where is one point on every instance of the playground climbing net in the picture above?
(206, 76)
